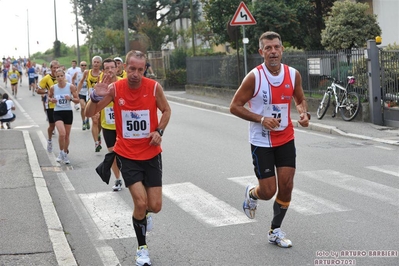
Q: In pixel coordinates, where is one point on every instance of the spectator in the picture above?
(10, 116)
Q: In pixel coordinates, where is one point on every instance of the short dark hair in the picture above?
(108, 60)
(5, 96)
(268, 35)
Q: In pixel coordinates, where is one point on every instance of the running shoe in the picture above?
(60, 157)
(249, 205)
(50, 146)
(142, 256)
(87, 124)
(150, 223)
(118, 185)
(97, 146)
(84, 126)
(66, 160)
(277, 237)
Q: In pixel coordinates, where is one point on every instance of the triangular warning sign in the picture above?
(242, 16)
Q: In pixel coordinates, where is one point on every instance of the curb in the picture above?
(312, 126)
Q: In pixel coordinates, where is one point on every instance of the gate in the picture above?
(389, 64)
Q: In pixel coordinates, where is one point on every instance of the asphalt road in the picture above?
(345, 202)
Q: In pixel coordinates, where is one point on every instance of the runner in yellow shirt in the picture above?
(14, 76)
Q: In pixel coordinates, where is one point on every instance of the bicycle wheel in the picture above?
(323, 106)
(350, 106)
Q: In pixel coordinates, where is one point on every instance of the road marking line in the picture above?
(316, 134)
(111, 214)
(385, 169)
(358, 185)
(105, 252)
(309, 204)
(204, 206)
(384, 148)
(62, 250)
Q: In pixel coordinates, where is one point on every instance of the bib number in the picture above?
(278, 111)
(136, 124)
(109, 115)
(62, 101)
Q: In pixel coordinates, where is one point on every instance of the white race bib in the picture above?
(109, 115)
(135, 124)
(277, 111)
(62, 101)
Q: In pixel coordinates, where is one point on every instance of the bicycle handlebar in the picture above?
(337, 81)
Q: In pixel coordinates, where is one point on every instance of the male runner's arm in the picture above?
(300, 101)
(103, 93)
(163, 106)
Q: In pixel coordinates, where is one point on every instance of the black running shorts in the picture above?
(266, 159)
(148, 171)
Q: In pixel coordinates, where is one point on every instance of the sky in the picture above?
(16, 15)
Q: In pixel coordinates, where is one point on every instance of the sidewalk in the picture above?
(337, 126)
(31, 232)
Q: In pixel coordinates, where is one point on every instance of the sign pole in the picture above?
(245, 50)
(243, 17)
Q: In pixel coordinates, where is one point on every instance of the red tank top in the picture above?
(135, 117)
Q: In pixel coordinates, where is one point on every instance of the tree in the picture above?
(299, 22)
(348, 25)
(218, 13)
(97, 14)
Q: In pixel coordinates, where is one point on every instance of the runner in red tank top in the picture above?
(138, 139)
(269, 89)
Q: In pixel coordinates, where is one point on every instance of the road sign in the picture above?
(242, 16)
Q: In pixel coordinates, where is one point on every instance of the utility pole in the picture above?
(27, 22)
(77, 30)
(55, 21)
(125, 26)
(192, 27)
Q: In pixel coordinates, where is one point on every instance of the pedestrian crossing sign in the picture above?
(242, 16)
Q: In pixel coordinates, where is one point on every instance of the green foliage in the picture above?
(299, 22)
(108, 40)
(218, 14)
(391, 47)
(348, 25)
(178, 59)
(176, 77)
(100, 14)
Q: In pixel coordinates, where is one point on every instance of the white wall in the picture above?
(387, 12)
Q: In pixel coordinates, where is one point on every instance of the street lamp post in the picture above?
(27, 21)
(192, 26)
(125, 26)
(77, 31)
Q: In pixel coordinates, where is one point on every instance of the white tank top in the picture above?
(59, 94)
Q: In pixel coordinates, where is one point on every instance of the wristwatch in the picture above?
(308, 114)
(160, 131)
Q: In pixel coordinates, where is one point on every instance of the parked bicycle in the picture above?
(347, 103)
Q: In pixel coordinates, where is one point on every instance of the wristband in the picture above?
(261, 120)
(94, 97)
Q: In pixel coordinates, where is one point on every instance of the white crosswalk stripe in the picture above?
(204, 206)
(358, 185)
(309, 204)
(386, 169)
(112, 215)
(303, 202)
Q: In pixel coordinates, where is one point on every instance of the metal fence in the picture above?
(228, 71)
(389, 62)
